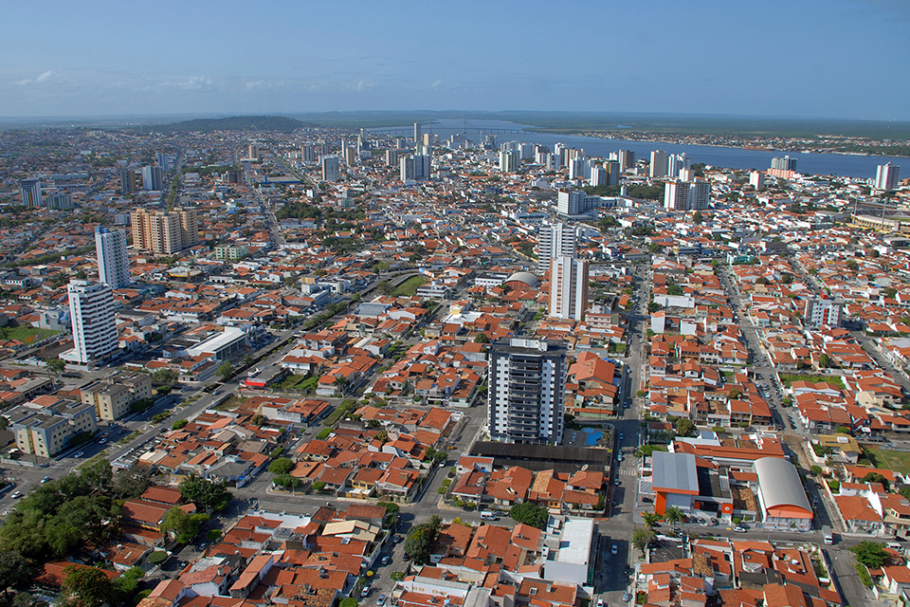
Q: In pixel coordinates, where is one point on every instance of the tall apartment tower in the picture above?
(526, 399)
(152, 178)
(189, 227)
(557, 240)
(164, 233)
(391, 157)
(113, 259)
(331, 170)
(676, 163)
(509, 161)
(887, 176)
(598, 176)
(626, 159)
(659, 164)
(415, 167)
(821, 312)
(31, 192)
(569, 288)
(417, 134)
(129, 182)
(784, 164)
(308, 153)
(165, 161)
(92, 314)
(686, 196)
(252, 151)
(757, 180)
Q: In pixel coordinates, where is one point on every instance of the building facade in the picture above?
(331, 168)
(164, 233)
(821, 312)
(554, 241)
(92, 315)
(112, 397)
(887, 176)
(568, 288)
(31, 192)
(526, 396)
(686, 196)
(660, 161)
(113, 259)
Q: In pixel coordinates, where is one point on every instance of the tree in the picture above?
(481, 339)
(213, 534)
(735, 393)
(56, 366)
(823, 361)
(98, 476)
(130, 482)
(184, 526)
(852, 265)
(88, 586)
(421, 538)
(226, 370)
(282, 465)
(673, 515)
(697, 217)
(651, 519)
(319, 486)
(530, 514)
(179, 424)
(870, 554)
(247, 361)
(164, 377)
(642, 538)
(876, 477)
(15, 570)
(205, 494)
(685, 427)
(341, 383)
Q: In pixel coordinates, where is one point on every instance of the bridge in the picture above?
(409, 131)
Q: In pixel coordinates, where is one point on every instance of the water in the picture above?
(734, 158)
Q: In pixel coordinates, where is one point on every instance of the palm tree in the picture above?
(673, 515)
(651, 519)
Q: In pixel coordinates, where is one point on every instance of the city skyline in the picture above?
(776, 59)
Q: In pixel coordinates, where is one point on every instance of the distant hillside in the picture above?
(234, 123)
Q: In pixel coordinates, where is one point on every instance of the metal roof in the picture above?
(779, 484)
(674, 471)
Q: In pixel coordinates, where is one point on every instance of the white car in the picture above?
(614, 549)
(16, 495)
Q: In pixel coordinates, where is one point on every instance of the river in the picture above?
(734, 158)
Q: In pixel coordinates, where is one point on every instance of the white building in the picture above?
(686, 196)
(676, 163)
(757, 180)
(509, 161)
(31, 192)
(821, 312)
(415, 168)
(152, 178)
(331, 168)
(887, 176)
(526, 398)
(554, 241)
(113, 259)
(659, 164)
(94, 325)
(568, 288)
(572, 543)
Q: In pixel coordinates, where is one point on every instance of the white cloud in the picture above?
(436, 84)
(196, 83)
(42, 77)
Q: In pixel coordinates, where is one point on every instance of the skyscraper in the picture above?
(31, 192)
(331, 170)
(416, 133)
(757, 180)
(686, 196)
(554, 241)
(415, 167)
(568, 288)
(113, 259)
(189, 227)
(526, 398)
(509, 161)
(887, 176)
(659, 164)
(626, 159)
(92, 314)
(784, 164)
(598, 176)
(164, 233)
(676, 163)
(152, 178)
(129, 182)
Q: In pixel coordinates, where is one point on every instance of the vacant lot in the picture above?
(26, 335)
(409, 287)
(789, 378)
(899, 461)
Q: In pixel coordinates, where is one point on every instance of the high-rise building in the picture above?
(598, 176)
(113, 259)
(152, 178)
(509, 161)
(557, 240)
(189, 227)
(626, 159)
(686, 196)
(568, 288)
(92, 315)
(784, 164)
(60, 201)
(415, 168)
(417, 132)
(887, 176)
(350, 156)
(165, 161)
(391, 157)
(676, 163)
(757, 180)
(526, 396)
(821, 312)
(252, 151)
(129, 182)
(31, 192)
(576, 168)
(164, 233)
(331, 169)
(307, 153)
(659, 164)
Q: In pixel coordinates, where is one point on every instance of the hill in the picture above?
(234, 123)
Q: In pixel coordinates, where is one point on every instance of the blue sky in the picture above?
(837, 58)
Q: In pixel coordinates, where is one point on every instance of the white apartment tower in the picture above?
(757, 180)
(557, 240)
(31, 192)
(686, 196)
(887, 176)
(92, 315)
(526, 399)
(509, 161)
(659, 164)
(821, 312)
(568, 288)
(331, 168)
(113, 259)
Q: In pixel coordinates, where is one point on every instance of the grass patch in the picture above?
(899, 461)
(230, 404)
(340, 411)
(409, 287)
(789, 378)
(129, 438)
(863, 574)
(91, 461)
(291, 382)
(26, 335)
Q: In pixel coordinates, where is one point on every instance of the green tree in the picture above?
(318, 486)
(282, 465)
(685, 427)
(179, 424)
(697, 217)
(642, 538)
(481, 338)
(530, 514)
(876, 477)
(184, 526)
(16, 571)
(226, 370)
(421, 538)
(98, 475)
(823, 361)
(673, 515)
(88, 586)
(164, 377)
(130, 482)
(248, 361)
(870, 554)
(651, 519)
(205, 494)
(56, 366)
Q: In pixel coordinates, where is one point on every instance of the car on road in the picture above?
(79, 454)
(365, 592)
(621, 436)
(600, 603)
(739, 529)
(45, 479)
(102, 441)
(16, 495)
(617, 482)
(386, 560)
(614, 549)
(381, 600)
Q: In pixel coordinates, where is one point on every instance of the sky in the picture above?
(793, 58)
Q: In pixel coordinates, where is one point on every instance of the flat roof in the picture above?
(575, 541)
(674, 471)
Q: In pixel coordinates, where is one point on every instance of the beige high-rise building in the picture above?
(165, 233)
(568, 288)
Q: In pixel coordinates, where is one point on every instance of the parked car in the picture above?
(365, 592)
(381, 600)
(45, 479)
(614, 549)
(386, 560)
(16, 495)
(79, 454)
(739, 529)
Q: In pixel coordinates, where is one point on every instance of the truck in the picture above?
(827, 535)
